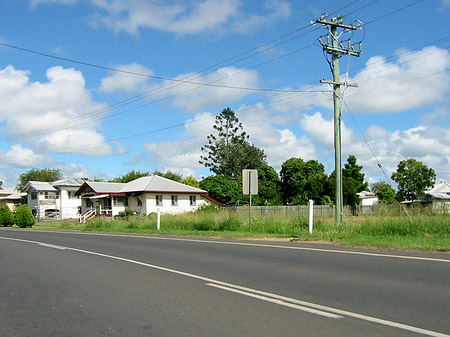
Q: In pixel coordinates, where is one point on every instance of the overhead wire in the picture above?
(258, 50)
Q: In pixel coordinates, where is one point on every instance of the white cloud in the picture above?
(277, 10)
(24, 157)
(45, 111)
(416, 79)
(179, 16)
(196, 97)
(121, 81)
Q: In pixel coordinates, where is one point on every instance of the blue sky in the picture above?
(71, 111)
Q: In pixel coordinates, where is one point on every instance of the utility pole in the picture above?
(336, 49)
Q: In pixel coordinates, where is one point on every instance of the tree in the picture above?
(191, 181)
(223, 189)
(24, 217)
(229, 152)
(269, 187)
(36, 174)
(349, 190)
(384, 192)
(413, 178)
(170, 175)
(6, 216)
(130, 176)
(353, 173)
(301, 181)
(1, 183)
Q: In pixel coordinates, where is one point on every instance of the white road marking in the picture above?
(52, 246)
(254, 291)
(276, 301)
(336, 251)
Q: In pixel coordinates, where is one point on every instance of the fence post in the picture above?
(311, 214)
(158, 219)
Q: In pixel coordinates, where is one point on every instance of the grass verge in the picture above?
(424, 233)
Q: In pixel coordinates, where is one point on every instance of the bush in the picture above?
(24, 217)
(125, 214)
(6, 217)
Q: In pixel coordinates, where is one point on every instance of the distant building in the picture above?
(440, 197)
(367, 198)
(12, 198)
(144, 195)
(55, 199)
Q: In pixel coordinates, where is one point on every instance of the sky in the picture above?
(97, 88)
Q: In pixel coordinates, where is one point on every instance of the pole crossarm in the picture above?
(346, 84)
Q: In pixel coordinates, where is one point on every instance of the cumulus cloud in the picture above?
(50, 116)
(194, 97)
(179, 16)
(24, 157)
(417, 78)
(122, 81)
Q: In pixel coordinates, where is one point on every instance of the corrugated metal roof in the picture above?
(155, 183)
(103, 187)
(41, 186)
(76, 182)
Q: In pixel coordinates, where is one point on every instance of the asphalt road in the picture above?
(81, 284)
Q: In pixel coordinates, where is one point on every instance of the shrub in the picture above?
(125, 214)
(24, 217)
(6, 216)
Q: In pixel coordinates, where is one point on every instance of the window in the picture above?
(50, 195)
(72, 195)
(159, 200)
(174, 199)
(34, 195)
(120, 201)
(139, 202)
(193, 200)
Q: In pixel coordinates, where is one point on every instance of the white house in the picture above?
(440, 197)
(11, 197)
(367, 198)
(55, 199)
(144, 195)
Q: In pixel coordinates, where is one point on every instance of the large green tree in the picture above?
(228, 151)
(353, 173)
(170, 175)
(384, 192)
(36, 174)
(224, 189)
(349, 190)
(269, 187)
(301, 181)
(130, 176)
(413, 178)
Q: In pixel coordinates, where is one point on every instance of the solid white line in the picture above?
(276, 301)
(408, 257)
(254, 291)
(52, 246)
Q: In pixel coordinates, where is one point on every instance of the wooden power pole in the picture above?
(336, 49)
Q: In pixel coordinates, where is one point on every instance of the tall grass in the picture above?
(425, 232)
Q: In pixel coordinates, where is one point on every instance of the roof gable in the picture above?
(155, 183)
(39, 186)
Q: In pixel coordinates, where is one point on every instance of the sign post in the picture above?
(250, 187)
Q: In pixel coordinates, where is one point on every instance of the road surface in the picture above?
(91, 284)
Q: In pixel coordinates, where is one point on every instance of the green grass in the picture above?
(424, 233)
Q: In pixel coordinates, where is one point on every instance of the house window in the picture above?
(139, 202)
(50, 195)
(193, 200)
(174, 199)
(72, 195)
(159, 200)
(89, 203)
(33, 195)
(120, 201)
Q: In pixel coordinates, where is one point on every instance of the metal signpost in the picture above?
(250, 186)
